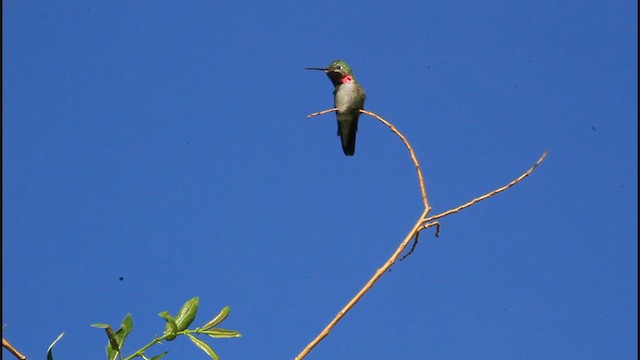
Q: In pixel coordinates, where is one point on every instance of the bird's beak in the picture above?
(321, 69)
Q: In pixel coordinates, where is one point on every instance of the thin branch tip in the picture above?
(423, 222)
(394, 257)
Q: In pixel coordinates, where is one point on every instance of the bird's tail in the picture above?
(347, 128)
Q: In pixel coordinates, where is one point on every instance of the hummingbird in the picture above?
(348, 98)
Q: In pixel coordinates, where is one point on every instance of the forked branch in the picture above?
(423, 222)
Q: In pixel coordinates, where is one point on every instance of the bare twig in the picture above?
(12, 350)
(423, 190)
(489, 194)
(415, 240)
(321, 112)
(413, 246)
(364, 289)
(423, 222)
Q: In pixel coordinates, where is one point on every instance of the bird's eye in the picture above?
(339, 67)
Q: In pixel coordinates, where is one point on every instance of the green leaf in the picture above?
(165, 315)
(158, 357)
(126, 327)
(111, 354)
(50, 349)
(202, 345)
(170, 328)
(101, 326)
(222, 333)
(187, 313)
(117, 338)
(113, 340)
(218, 318)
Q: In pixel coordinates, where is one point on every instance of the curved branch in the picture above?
(423, 189)
(423, 222)
(393, 129)
(394, 256)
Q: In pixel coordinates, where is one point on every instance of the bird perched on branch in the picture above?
(348, 97)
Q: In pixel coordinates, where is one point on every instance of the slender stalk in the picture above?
(491, 193)
(394, 257)
(12, 350)
(377, 275)
(140, 352)
(422, 223)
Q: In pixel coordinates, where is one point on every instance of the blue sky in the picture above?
(166, 143)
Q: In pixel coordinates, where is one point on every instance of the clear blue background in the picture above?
(166, 143)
